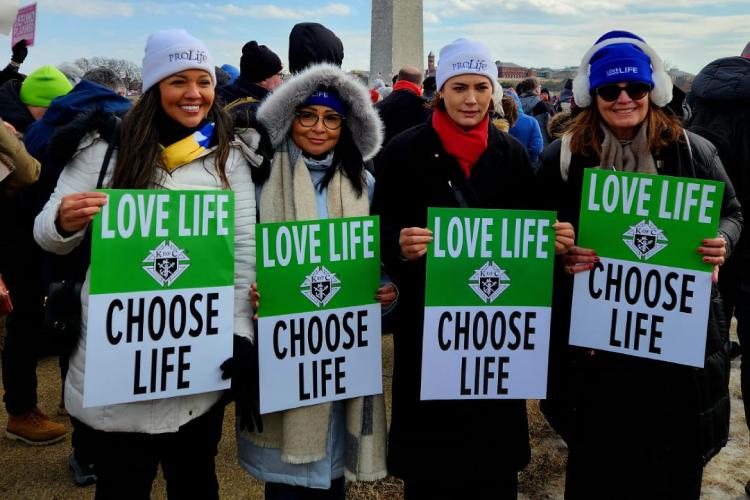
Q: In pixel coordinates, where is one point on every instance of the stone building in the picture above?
(396, 38)
(431, 67)
(510, 70)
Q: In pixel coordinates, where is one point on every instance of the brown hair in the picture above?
(663, 129)
(528, 85)
(510, 108)
(139, 153)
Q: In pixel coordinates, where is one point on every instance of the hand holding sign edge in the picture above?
(714, 251)
(579, 259)
(565, 237)
(413, 242)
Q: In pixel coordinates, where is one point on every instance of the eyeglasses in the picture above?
(635, 90)
(308, 119)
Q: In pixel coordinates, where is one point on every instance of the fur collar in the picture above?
(277, 110)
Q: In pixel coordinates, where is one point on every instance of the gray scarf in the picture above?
(627, 156)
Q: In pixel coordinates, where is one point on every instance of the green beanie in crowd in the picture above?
(43, 85)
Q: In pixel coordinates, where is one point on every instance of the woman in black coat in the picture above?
(635, 427)
(455, 159)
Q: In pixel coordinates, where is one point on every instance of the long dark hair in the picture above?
(139, 155)
(348, 159)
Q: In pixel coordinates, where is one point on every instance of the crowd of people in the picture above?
(319, 144)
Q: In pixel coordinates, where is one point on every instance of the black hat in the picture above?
(311, 43)
(258, 62)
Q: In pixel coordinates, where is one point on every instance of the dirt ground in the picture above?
(42, 472)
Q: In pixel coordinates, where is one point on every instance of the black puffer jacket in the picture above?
(594, 394)
(428, 437)
(401, 110)
(241, 100)
(10, 72)
(720, 101)
(12, 110)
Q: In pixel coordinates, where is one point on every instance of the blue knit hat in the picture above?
(232, 71)
(326, 98)
(621, 56)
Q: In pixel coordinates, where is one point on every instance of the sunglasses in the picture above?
(635, 90)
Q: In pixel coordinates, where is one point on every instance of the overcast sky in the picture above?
(686, 33)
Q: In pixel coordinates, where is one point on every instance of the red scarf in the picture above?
(466, 146)
(411, 87)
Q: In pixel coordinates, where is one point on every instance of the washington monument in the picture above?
(396, 38)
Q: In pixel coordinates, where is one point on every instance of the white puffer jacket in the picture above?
(80, 175)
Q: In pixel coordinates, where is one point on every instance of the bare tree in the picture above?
(129, 71)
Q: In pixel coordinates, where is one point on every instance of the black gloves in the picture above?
(19, 52)
(242, 368)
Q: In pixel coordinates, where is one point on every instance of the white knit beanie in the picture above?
(463, 57)
(170, 51)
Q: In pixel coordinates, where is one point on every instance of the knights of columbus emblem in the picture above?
(645, 239)
(320, 286)
(166, 263)
(489, 281)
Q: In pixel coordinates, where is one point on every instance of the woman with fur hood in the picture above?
(323, 127)
(176, 137)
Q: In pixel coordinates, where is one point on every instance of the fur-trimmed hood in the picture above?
(277, 110)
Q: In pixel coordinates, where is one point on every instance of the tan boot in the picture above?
(34, 428)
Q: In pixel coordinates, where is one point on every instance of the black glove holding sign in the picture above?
(19, 52)
(242, 368)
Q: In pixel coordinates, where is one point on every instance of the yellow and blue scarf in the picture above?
(188, 149)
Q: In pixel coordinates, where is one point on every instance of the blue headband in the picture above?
(326, 98)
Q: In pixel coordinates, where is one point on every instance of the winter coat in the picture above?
(241, 100)
(63, 110)
(18, 171)
(533, 105)
(32, 269)
(349, 449)
(429, 437)
(598, 398)
(565, 99)
(53, 140)
(526, 129)
(720, 101)
(12, 110)
(401, 110)
(10, 72)
(25, 282)
(81, 174)
(18, 168)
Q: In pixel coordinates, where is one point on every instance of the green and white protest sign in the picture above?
(319, 324)
(161, 303)
(649, 295)
(487, 304)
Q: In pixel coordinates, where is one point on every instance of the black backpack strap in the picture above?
(113, 142)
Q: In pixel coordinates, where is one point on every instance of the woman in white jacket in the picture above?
(177, 108)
